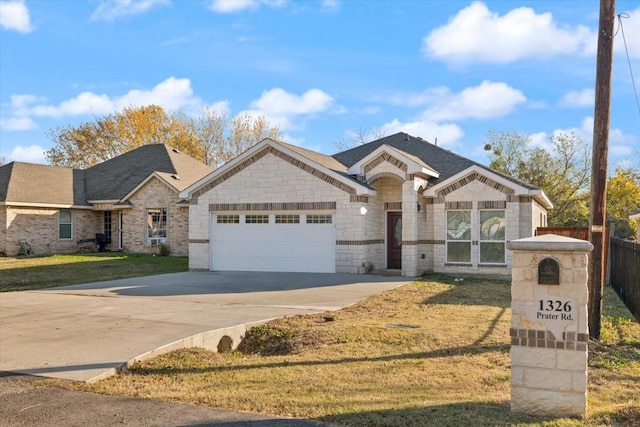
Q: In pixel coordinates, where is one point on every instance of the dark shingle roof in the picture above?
(445, 162)
(34, 183)
(117, 177)
(111, 180)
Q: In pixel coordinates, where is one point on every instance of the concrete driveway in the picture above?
(88, 332)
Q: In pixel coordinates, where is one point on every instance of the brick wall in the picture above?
(39, 226)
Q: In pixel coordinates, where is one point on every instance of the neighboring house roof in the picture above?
(111, 180)
(42, 184)
(117, 177)
(635, 216)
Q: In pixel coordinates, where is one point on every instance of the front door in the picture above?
(394, 240)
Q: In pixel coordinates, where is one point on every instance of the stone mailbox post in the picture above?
(549, 325)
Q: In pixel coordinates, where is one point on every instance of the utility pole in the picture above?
(599, 156)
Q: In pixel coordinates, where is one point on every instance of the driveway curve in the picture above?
(88, 332)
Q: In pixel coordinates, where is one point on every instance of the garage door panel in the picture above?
(273, 247)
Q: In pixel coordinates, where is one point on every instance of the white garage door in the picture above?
(273, 242)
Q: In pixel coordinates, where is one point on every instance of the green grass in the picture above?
(432, 352)
(19, 274)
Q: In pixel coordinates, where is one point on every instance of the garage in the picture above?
(294, 242)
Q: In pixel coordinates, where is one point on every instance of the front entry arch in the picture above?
(394, 240)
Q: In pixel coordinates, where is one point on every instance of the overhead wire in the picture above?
(624, 39)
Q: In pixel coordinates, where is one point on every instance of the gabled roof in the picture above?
(445, 162)
(117, 177)
(30, 183)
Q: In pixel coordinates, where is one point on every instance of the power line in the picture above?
(633, 82)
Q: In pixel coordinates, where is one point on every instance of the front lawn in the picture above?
(20, 274)
(433, 352)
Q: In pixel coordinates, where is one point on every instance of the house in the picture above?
(395, 203)
(636, 218)
(131, 199)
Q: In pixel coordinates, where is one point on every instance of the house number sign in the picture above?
(549, 309)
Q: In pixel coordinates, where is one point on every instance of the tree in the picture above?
(623, 199)
(205, 138)
(562, 171)
(360, 136)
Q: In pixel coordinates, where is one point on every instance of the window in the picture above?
(228, 219)
(157, 223)
(458, 236)
(319, 219)
(492, 237)
(106, 220)
(64, 224)
(256, 219)
(287, 219)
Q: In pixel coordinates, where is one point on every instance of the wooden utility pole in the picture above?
(597, 212)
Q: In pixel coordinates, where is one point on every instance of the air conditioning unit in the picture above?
(156, 241)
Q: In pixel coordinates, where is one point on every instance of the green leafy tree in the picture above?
(562, 171)
(623, 199)
(210, 138)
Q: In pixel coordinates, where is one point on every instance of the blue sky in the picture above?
(451, 70)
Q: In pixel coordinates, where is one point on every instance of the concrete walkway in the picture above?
(88, 332)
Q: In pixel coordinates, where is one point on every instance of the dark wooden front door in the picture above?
(394, 239)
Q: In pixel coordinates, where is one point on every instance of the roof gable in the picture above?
(406, 162)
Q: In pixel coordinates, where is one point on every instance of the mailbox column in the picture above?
(549, 325)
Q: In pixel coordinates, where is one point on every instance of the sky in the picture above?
(324, 71)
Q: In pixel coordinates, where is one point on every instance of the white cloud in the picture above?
(286, 109)
(488, 100)
(330, 5)
(30, 154)
(114, 9)
(172, 94)
(619, 144)
(447, 134)
(17, 123)
(475, 34)
(578, 99)
(14, 15)
(233, 6)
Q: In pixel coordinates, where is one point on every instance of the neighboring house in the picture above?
(132, 199)
(395, 203)
(636, 218)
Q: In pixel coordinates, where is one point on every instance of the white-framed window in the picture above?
(256, 219)
(287, 219)
(107, 225)
(319, 219)
(156, 226)
(492, 237)
(228, 219)
(458, 236)
(65, 224)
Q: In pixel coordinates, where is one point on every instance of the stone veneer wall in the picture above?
(271, 178)
(549, 347)
(39, 226)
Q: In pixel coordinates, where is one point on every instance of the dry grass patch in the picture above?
(432, 352)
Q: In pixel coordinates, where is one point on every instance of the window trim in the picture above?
(152, 238)
(70, 224)
(448, 238)
(503, 241)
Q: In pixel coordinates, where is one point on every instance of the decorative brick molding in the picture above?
(359, 242)
(512, 198)
(360, 199)
(434, 200)
(385, 175)
(392, 205)
(284, 206)
(492, 204)
(431, 242)
(204, 241)
(260, 154)
(472, 177)
(409, 242)
(492, 265)
(458, 264)
(385, 157)
(545, 339)
(459, 205)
